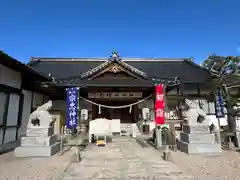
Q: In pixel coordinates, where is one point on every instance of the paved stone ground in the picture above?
(123, 159)
(51, 168)
(223, 167)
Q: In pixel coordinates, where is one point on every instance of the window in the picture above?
(3, 107)
(13, 110)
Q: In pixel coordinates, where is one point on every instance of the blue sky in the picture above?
(135, 28)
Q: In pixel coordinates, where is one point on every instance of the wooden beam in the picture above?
(115, 68)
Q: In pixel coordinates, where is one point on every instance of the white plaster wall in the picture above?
(12, 118)
(26, 112)
(10, 77)
(13, 110)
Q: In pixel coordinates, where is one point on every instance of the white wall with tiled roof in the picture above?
(10, 102)
(12, 79)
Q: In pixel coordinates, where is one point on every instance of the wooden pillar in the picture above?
(94, 111)
(135, 114)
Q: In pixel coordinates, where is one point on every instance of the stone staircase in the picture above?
(126, 129)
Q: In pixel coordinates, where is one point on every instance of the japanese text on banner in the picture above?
(159, 105)
(72, 107)
(219, 105)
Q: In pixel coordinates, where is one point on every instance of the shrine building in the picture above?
(104, 83)
(119, 81)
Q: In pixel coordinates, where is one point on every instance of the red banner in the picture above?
(159, 105)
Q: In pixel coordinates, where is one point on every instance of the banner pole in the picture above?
(79, 112)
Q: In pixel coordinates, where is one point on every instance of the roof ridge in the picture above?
(107, 57)
(34, 59)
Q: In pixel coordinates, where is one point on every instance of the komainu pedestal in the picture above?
(39, 140)
(197, 139)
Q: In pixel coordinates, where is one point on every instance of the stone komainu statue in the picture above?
(193, 113)
(41, 117)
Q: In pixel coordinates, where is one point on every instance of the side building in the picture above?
(19, 95)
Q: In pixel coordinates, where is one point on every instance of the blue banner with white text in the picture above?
(219, 104)
(72, 107)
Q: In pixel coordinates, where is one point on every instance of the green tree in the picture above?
(226, 74)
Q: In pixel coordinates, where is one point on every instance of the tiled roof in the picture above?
(14, 64)
(187, 71)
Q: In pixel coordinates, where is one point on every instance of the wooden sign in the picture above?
(115, 95)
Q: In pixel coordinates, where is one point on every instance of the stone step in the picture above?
(197, 138)
(196, 148)
(195, 129)
(40, 151)
(38, 141)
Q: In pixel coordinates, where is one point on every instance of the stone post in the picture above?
(158, 137)
(134, 130)
(218, 136)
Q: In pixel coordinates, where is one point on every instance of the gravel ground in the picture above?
(12, 168)
(223, 167)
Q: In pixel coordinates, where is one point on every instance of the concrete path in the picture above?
(123, 159)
